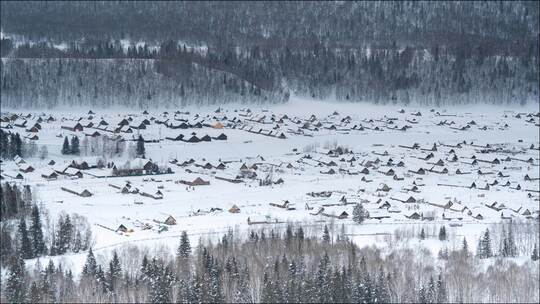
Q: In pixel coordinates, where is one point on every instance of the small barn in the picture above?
(25, 168)
(79, 192)
(121, 229)
(170, 220)
(49, 174)
(221, 136)
(72, 126)
(413, 215)
(234, 209)
(384, 187)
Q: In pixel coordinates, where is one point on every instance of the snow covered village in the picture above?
(227, 186)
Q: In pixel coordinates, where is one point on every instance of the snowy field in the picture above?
(401, 184)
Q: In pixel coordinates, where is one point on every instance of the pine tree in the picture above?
(49, 283)
(18, 145)
(360, 213)
(484, 246)
(243, 290)
(160, 282)
(7, 248)
(534, 255)
(465, 247)
(422, 296)
(323, 280)
(63, 236)
(299, 234)
(442, 233)
(34, 295)
(442, 295)
(422, 234)
(36, 232)
(26, 245)
(443, 253)
(90, 266)
(65, 147)
(15, 290)
(184, 250)
(101, 279)
(215, 291)
(140, 147)
(326, 235)
(511, 243)
(114, 272)
(431, 291)
(288, 235)
(188, 291)
(383, 295)
(75, 149)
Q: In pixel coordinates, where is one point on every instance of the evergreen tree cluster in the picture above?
(270, 267)
(11, 145)
(73, 148)
(343, 24)
(392, 52)
(508, 245)
(484, 249)
(360, 213)
(22, 228)
(14, 201)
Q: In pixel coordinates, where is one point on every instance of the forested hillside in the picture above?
(176, 53)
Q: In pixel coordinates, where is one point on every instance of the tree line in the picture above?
(27, 231)
(243, 23)
(11, 145)
(274, 266)
(436, 54)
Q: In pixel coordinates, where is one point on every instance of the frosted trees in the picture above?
(184, 249)
(63, 236)
(534, 255)
(265, 269)
(140, 147)
(360, 213)
(465, 247)
(90, 266)
(75, 149)
(25, 243)
(114, 272)
(159, 278)
(43, 152)
(65, 147)
(15, 290)
(71, 233)
(508, 245)
(326, 235)
(484, 249)
(84, 146)
(442, 233)
(36, 232)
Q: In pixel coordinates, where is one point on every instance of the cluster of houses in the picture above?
(394, 182)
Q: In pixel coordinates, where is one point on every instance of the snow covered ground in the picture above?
(497, 142)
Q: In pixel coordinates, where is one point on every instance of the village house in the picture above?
(25, 168)
(49, 174)
(93, 133)
(420, 171)
(384, 187)
(403, 198)
(20, 122)
(178, 137)
(72, 126)
(196, 182)
(234, 209)
(79, 192)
